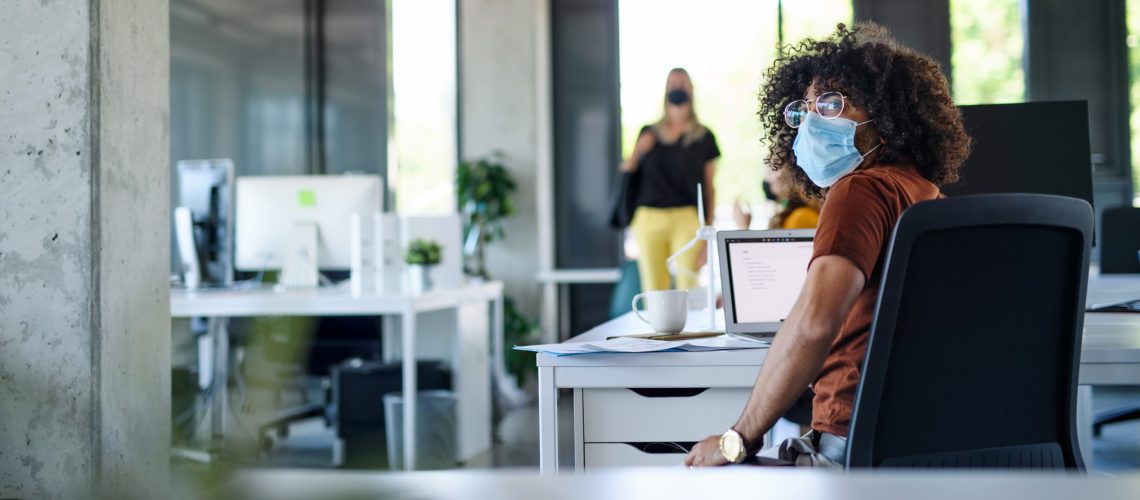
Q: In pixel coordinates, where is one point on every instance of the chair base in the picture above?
(1115, 415)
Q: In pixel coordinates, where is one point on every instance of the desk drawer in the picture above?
(659, 415)
(603, 455)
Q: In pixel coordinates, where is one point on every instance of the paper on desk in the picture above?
(638, 345)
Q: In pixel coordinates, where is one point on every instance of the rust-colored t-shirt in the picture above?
(856, 223)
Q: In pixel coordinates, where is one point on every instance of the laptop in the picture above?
(762, 273)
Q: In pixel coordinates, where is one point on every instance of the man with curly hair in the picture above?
(869, 124)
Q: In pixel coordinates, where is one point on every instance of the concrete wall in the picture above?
(84, 323)
(498, 111)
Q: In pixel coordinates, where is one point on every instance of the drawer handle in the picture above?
(669, 392)
(661, 448)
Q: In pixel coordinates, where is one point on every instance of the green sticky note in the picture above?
(306, 198)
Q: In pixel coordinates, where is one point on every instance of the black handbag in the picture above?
(623, 200)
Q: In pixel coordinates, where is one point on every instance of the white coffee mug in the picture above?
(667, 309)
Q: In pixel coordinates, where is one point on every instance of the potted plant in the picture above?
(484, 190)
(421, 256)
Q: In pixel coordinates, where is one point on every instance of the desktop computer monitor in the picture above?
(269, 208)
(205, 188)
(1033, 147)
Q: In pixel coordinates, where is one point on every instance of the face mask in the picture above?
(677, 97)
(825, 148)
(771, 196)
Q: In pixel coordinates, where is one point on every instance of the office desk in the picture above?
(600, 382)
(676, 483)
(470, 348)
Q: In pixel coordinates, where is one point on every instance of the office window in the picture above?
(726, 45)
(987, 51)
(423, 134)
(814, 18)
(1132, 18)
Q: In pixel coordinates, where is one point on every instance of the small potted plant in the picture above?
(421, 256)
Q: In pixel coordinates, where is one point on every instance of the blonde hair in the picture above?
(694, 130)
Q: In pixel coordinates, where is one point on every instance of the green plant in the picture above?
(484, 192)
(518, 330)
(424, 253)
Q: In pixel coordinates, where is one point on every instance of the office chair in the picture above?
(975, 344)
(1119, 243)
(1120, 240)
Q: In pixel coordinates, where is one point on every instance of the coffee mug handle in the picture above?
(633, 305)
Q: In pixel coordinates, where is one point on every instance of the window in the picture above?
(987, 51)
(726, 46)
(1132, 18)
(423, 141)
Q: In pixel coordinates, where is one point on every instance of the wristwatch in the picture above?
(732, 446)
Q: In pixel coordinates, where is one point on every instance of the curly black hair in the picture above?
(904, 91)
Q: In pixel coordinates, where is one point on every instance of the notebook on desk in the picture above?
(762, 273)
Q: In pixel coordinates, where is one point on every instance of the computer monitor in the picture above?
(206, 188)
(269, 208)
(1033, 147)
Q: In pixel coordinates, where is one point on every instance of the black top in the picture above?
(670, 171)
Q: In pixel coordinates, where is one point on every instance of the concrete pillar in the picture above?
(84, 306)
(499, 111)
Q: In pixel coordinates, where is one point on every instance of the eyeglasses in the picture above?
(828, 105)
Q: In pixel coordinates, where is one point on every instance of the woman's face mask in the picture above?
(677, 97)
(825, 148)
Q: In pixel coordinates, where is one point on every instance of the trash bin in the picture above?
(435, 430)
(358, 391)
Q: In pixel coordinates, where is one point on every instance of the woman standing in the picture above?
(671, 157)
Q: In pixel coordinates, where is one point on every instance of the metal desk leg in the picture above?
(408, 336)
(547, 421)
(498, 338)
(219, 404)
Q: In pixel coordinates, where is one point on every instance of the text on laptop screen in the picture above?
(766, 275)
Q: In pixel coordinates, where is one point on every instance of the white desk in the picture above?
(676, 483)
(1110, 356)
(470, 346)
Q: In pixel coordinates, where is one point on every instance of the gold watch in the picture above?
(732, 446)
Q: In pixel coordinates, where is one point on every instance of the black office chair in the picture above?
(1119, 242)
(974, 349)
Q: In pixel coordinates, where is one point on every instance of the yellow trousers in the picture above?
(659, 232)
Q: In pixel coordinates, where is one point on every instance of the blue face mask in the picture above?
(825, 148)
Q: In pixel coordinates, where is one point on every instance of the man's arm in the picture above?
(797, 354)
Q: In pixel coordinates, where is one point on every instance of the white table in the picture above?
(339, 301)
(664, 484)
(1110, 356)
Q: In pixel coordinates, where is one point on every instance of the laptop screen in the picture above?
(766, 274)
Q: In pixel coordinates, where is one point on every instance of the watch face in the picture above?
(732, 446)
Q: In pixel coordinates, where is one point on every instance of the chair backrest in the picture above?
(974, 349)
(1120, 240)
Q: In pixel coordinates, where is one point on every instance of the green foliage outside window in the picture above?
(1132, 19)
(988, 51)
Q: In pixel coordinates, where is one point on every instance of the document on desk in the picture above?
(631, 345)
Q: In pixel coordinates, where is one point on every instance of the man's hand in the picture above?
(706, 454)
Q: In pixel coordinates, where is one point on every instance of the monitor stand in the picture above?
(300, 267)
